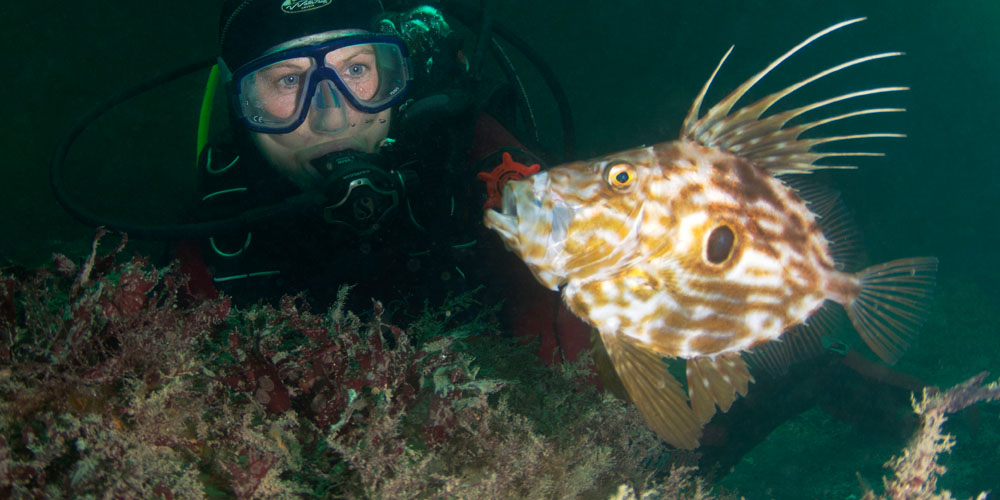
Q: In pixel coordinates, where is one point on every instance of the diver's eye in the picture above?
(720, 244)
(619, 175)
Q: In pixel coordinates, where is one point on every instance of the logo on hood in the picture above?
(296, 6)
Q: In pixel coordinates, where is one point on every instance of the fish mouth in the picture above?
(534, 221)
(531, 214)
(504, 220)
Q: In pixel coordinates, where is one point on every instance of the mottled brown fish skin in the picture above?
(694, 249)
(670, 296)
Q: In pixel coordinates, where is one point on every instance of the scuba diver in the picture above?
(378, 114)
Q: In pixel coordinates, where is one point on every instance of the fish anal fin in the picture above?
(801, 342)
(716, 381)
(656, 393)
(892, 304)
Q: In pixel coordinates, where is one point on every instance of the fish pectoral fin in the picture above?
(716, 381)
(893, 303)
(655, 392)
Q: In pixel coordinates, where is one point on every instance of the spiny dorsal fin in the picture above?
(766, 141)
(835, 221)
(655, 392)
(716, 381)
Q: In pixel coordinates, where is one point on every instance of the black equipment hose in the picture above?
(468, 17)
(168, 232)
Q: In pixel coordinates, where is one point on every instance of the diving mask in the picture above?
(275, 92)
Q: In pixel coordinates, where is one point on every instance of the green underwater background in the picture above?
(630, 69)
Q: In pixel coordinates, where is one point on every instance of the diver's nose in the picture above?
(328, 110)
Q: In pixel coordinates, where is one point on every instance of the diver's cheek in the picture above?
(375, 131)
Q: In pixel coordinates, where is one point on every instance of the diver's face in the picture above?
(332, 123)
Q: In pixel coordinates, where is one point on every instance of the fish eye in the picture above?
(619, 175)
(720, 244)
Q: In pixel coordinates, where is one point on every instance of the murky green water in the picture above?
(630, 69)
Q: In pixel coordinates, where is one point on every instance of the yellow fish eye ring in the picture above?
(620, 175)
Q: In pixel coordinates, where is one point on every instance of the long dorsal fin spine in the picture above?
(752, 112)
(774, 125)
(725, 105)
(770, 142)
(696, 105)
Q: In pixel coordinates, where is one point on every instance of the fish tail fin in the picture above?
(655, 392)
(892, 304)
(716, 381)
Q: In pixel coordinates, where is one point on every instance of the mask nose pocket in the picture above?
(328, 113)
(326, 96)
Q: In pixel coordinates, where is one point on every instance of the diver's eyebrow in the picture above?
(282, 65)
(358, 51)
(366, 48)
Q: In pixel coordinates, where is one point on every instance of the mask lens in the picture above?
(374, 73)
(272, 96)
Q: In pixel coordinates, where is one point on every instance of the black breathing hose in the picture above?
(166, 232)
(484, 37)
(468, 17)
